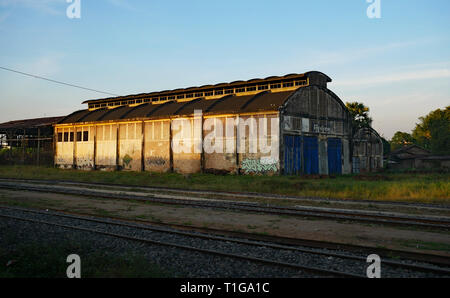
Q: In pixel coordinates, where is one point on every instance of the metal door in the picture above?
(334, 156)
(292, 155)
(310, 155)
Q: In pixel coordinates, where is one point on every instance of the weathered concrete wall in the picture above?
(219, 134)
(64, 150)
(157, 146)
(258, 143)
(130, 146)
(127, 146)
(84, 151)
(186, 146)
(106, 153)
(314, 111)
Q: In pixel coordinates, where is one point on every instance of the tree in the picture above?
(401, 139)
(359, 114)
(433, 131)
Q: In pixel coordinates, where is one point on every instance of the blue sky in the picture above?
(398, 65)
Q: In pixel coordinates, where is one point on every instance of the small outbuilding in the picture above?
(28, 141)
(416, 157)
(367, 151)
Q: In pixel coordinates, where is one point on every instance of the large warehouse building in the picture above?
(278, 125)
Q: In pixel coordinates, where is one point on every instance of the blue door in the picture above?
(334, 156)
(297, 155)
(288, 154)
(310, 155)
(292, 155)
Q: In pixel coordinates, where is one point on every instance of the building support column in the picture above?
(74, 163)
(55, 140)
(117, 146)
(38, 146)
(281, 150)
(143, 147)
(95, 147)
(170, 146)
(23, 147)
(237, 144)
(202, 154)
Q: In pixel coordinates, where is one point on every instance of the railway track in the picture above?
(433, 222)
(241, 195)
(434, 259)
(315, 270)
(358, 261)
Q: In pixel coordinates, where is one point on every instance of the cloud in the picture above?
(438, 73)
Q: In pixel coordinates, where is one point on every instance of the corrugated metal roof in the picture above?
(267, 101)
(268, 80)
(75, 116)
(116, 113)
(228, 104)
(199, 104)
(94, 115)
(30, 123)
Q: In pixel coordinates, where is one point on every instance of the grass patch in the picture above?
(425, 245)
(418, 187)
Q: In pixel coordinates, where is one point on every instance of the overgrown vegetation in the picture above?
(405, 186)
(432, 133)
(359, 113)
(25, 156)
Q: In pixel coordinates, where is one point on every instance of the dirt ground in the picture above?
(305, 228)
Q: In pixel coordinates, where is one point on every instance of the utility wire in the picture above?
(58, 82)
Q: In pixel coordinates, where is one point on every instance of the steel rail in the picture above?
(80, 216)
(315, 270)
(268, 209)
(234, 194)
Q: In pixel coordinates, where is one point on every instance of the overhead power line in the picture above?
(54, 81)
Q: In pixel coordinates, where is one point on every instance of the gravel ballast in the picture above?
(181, 262)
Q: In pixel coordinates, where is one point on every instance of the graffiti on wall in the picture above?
(85, 162)
(155, 161)
(61, 161)
(262, 165)
(127, 160)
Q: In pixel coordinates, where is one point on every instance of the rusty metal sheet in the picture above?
(191, 106)
(93, 115)
(267, 102)
(140, 111)
(117, 113)
(268, 80)
(167, 109)
(30, 123)
(228, 104)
